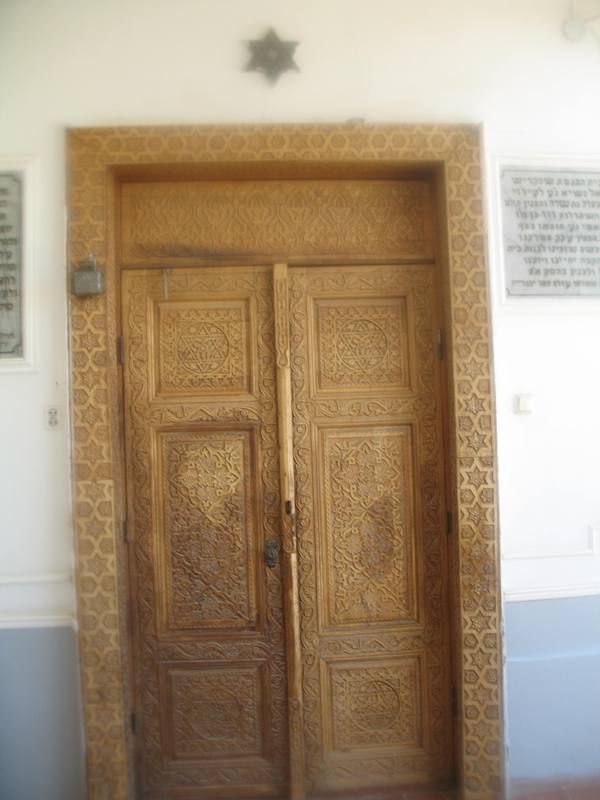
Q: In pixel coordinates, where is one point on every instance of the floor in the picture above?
(413, 794)
(519, 790)
(394, 794)
(555, 790)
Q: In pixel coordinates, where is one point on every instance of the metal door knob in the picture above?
(271, 553)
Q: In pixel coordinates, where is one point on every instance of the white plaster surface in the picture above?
(503, 64)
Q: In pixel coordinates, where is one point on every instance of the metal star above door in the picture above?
(271, 56)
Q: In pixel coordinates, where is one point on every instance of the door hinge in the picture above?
(440, 344)
(448, 523)
(120, 349)
(133, 721)
(454, 701)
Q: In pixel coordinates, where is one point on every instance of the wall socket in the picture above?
(52, 418)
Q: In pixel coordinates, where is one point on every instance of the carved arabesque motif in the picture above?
(93, 155)
(273, 219)
(208, 530)
(369, 519)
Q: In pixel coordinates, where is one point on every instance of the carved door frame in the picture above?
(98, 159)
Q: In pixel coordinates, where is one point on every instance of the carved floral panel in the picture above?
(209, 529)
(369, 524)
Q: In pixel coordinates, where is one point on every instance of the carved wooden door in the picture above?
(203, 487)
(370, 526)
(219, 365)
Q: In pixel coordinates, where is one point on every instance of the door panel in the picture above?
(214, 369)
(367, 549)
(207, 529)
(203, 495)
(204, 348)
(370, 519)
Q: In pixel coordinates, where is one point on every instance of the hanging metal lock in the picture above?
(88, 279)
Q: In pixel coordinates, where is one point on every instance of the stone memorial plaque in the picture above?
(11, 236)
(551, 231)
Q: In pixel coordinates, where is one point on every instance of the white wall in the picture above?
(504, 63)
(548, 462)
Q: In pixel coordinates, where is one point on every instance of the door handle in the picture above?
(271, 553)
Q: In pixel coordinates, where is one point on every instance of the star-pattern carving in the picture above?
(271, 56)
(475, 441)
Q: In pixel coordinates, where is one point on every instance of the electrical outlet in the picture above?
(52, 418)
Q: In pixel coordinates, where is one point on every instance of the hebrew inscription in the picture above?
(551, 229)
(11, 323)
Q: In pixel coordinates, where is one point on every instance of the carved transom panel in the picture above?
(216, 713)
(369, 524)
(362, 344)
(375, 704)
(272, 219)
(209, 529)
(203, 347)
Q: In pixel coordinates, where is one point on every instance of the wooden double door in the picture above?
(287, 530)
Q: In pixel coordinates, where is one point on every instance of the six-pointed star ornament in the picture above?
(271, 56)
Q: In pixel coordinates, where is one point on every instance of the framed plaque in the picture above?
(11, 265)
(550, 231)
(16, 240)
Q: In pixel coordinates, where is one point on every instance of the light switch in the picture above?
(523, 404)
